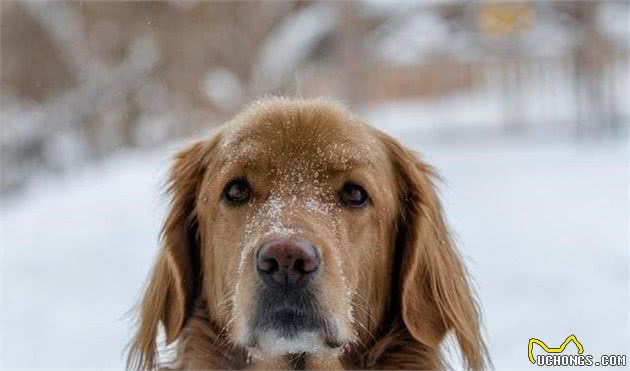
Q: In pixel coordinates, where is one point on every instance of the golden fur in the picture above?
(392, 282)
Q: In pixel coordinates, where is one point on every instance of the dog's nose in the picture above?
(287, 262)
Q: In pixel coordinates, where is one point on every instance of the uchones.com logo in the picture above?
(555, 356)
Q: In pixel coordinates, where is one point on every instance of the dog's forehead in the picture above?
(321, 138)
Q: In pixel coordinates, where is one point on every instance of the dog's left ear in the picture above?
(176, 276)
(435, 293)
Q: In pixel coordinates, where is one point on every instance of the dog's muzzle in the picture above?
(287, 303)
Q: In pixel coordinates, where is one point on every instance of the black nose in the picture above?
(284, 262)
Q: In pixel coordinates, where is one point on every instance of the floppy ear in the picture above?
(435, 293)
(175, 278)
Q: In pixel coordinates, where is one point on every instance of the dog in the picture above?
(299, 237)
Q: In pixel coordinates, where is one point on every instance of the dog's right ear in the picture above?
(435, 292)
(175, 278)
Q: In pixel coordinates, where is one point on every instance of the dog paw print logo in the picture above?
(554, 357)
(547, 349)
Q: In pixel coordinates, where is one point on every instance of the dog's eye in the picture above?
(237, 191)
(353, 195)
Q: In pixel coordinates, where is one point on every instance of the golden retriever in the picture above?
(299, 237)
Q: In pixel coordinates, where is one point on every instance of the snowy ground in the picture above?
(544, 226)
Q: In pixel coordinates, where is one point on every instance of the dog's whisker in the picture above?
(364, 307)
(366, 330)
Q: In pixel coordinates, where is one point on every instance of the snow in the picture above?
(543, 102)
(542, 224)
(545, 231)
(418, 37)
(291, 43)
(415, 32)
(465, 111)
(613, 18)
(75, 254)
(222, 87)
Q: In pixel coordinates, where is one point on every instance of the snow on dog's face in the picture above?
(296, 228)
(295, 216)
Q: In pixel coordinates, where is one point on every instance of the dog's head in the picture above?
(304, 230)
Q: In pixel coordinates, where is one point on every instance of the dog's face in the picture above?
(296, 216)
(299, 229)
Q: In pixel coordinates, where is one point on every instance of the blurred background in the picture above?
(522, 106)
